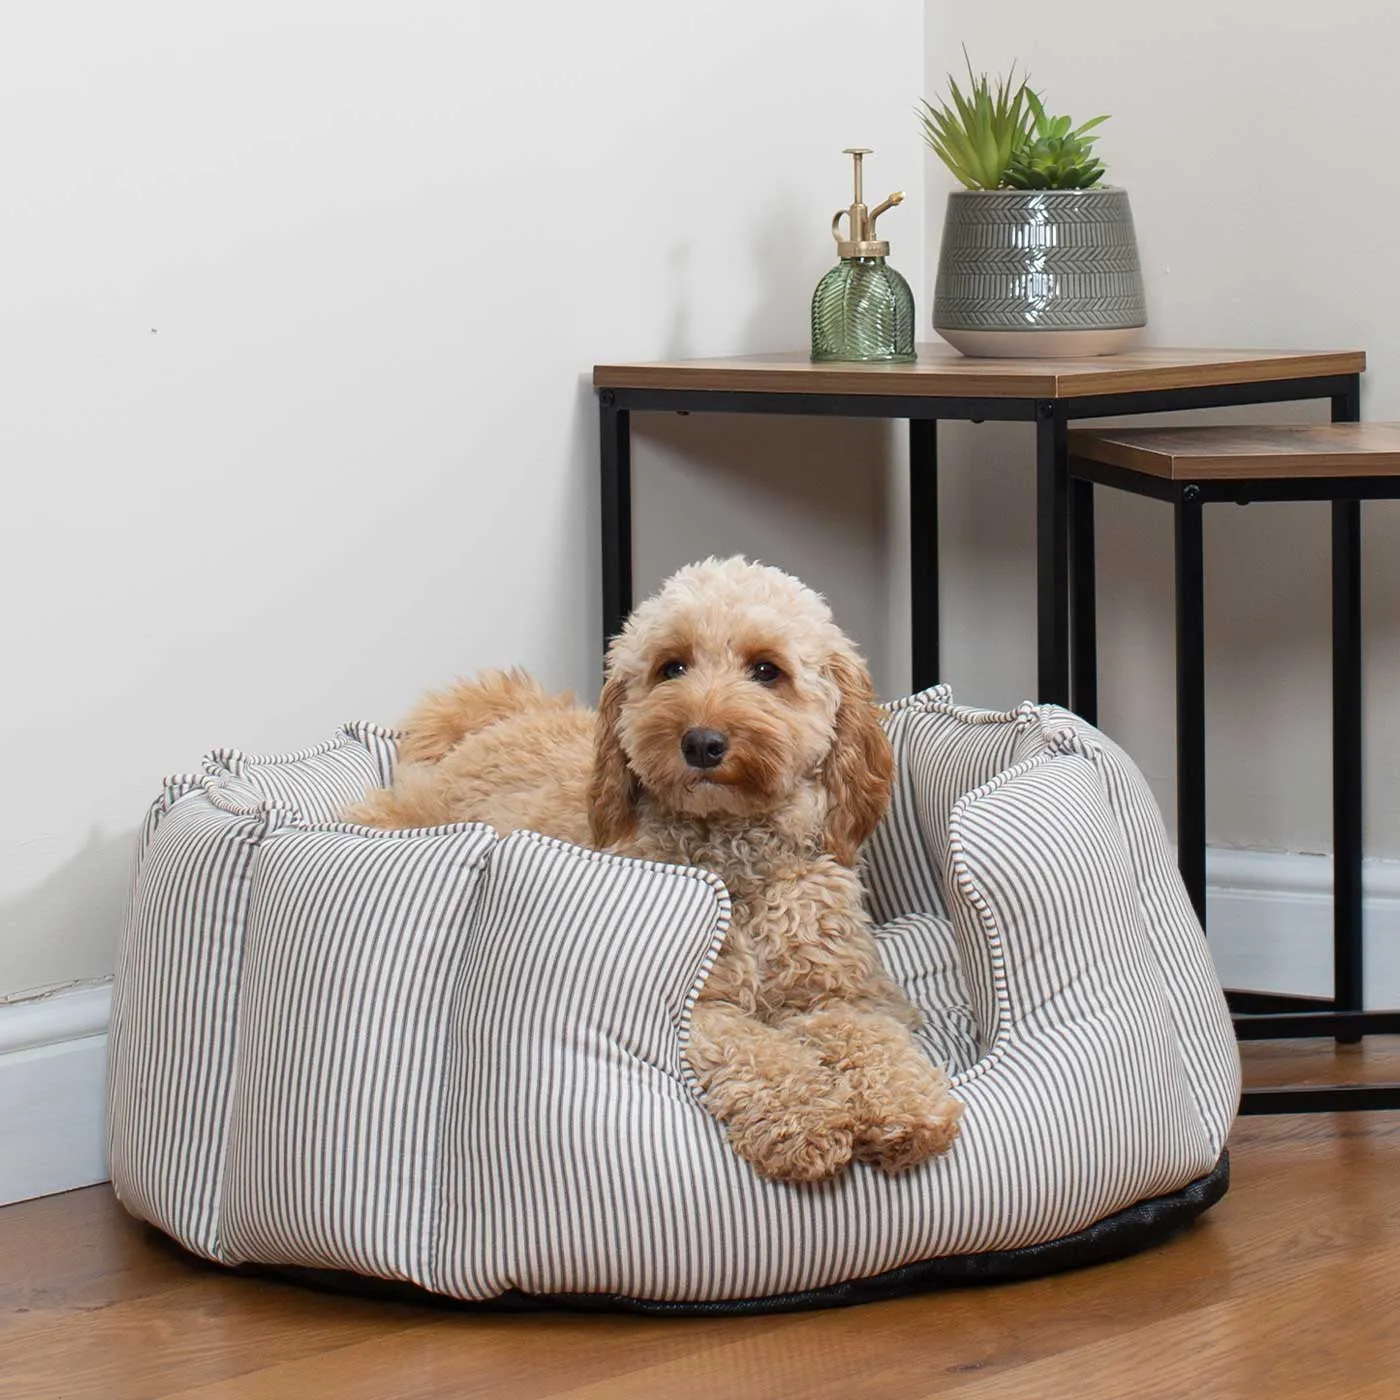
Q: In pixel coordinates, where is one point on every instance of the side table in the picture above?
(1190, 468)
(945, 385)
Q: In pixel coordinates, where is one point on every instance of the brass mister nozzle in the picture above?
(860, 240)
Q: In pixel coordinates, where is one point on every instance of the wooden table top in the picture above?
(1222, 452)
(940, 372)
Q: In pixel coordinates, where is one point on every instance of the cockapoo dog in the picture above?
(737, 731)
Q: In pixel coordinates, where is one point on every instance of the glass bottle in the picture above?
(862, 309)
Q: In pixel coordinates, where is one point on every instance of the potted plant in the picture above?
(1038, 258)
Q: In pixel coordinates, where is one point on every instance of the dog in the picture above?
(737, 731)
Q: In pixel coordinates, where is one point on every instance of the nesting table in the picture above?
(1190, 468)
(945, 385)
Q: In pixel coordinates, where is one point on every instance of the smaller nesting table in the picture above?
(1189, 468)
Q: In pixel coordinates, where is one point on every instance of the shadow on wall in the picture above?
(987, 561)
(67, 926)
(789, 258)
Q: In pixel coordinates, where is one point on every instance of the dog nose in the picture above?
(704, 748)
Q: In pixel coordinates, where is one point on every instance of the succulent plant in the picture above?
(977, 136)
(1002, 137)
(1054, 157)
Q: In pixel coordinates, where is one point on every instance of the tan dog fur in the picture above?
(799, 1040)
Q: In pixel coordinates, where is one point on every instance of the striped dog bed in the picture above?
(448, 1061)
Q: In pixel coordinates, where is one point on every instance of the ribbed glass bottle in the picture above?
(863, 310)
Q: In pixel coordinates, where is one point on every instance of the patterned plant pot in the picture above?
(1039, 273)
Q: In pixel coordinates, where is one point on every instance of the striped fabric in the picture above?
(457, 1060)
(942, 751)
(1085, 1050)
(174, 1006)
(578, 1138)
(900, 877)
(318, 783)
(176, 991)
(1189, 986)
(920, 951)
(355, 950)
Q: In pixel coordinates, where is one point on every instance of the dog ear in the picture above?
(860, 767)
(612, 790)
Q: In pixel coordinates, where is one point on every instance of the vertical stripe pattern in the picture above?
(171, 1044)
(354, 945)
(575, 1136)
(443, 1057)
(1090, 1030)
(1189, 984)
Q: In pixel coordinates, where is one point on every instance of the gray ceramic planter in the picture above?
(1039, 272)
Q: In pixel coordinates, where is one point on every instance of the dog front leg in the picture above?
(903, 1108)
(786, 1112)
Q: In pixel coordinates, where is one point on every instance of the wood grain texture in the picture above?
(942, 372)
(1271, 1063)
(1209, 1352)
(1226, 453)
(1289, 1288)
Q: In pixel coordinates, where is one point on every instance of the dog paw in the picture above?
(798, 1156)
(895, 1145)
(808, 1141)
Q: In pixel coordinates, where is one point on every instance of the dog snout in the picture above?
(704, 748)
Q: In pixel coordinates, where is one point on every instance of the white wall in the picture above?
(300, 301)
(1254, 140)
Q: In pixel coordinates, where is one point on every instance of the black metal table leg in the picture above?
(1083, 613)
(615, 429)
(1191, 698)
(1348, 916)
(1348, 982)
(1052, 551)
(923, 550)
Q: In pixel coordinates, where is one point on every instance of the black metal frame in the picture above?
(1259, 1016)
(1065, 596)
(923, 413)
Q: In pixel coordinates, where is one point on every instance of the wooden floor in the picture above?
(1290, 1288)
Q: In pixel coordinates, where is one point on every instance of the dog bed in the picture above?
(454, 1061)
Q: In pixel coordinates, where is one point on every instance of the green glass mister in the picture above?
(862, 309)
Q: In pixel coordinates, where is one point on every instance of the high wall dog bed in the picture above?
(455, 1061)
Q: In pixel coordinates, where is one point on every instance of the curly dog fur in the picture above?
(737, 731)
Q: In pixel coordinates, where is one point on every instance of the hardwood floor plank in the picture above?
(1270, 1063)
(1278, 1343)
(522, 1357)
(209, 1329)
(1377, 1390)
(76, 1253)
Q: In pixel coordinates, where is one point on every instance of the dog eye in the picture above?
(672, 670)
(765, 672)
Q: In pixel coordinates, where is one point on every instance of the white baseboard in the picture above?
(53, 1062)
(1270, 918)
(1270, 922)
